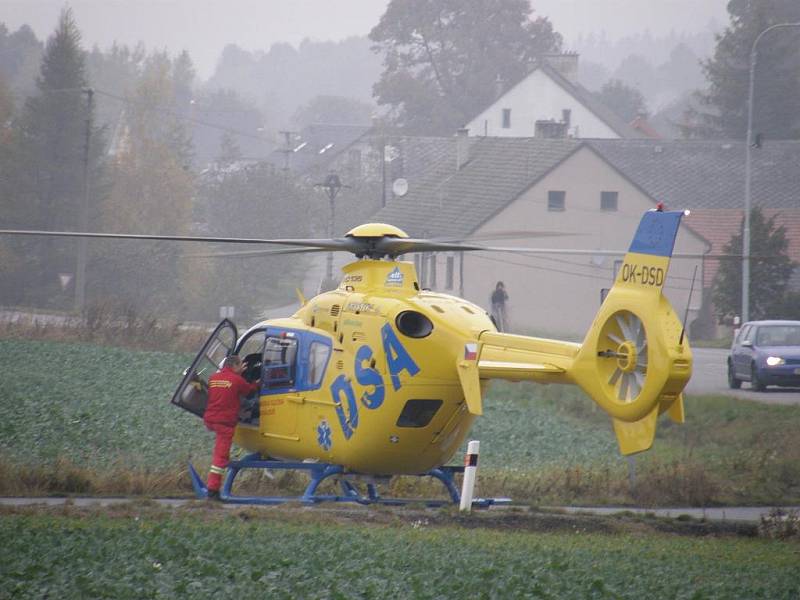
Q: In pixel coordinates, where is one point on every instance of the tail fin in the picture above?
(633, 362)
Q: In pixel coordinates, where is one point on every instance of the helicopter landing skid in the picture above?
(319, 472)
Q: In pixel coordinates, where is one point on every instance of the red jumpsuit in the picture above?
(222, 413)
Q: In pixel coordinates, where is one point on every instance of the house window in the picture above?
(506, 118)
(556, 200)
(608, 200)
(449, 272)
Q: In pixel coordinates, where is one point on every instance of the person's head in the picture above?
(234, 363)
(499, 286)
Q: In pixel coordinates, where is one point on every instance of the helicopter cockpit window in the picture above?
(418, 413)
(280, 361)
(318, 355)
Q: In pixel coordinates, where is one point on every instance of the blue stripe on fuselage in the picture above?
(656, 233)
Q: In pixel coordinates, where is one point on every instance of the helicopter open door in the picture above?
(192, 393)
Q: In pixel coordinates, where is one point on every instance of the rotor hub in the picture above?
(627, 356)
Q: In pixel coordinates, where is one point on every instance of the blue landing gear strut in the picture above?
(319, 472)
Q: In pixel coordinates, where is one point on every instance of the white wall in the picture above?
(535, 98)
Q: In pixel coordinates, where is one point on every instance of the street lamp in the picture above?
(747, 175)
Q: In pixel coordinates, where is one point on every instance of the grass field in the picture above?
(97, 419)
(199, 553)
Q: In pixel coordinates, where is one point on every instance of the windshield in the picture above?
(778, 335)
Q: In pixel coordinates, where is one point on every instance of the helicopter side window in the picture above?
(280, 360)
(318, 355)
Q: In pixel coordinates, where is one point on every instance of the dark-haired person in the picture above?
(499, 299)
(226, 387)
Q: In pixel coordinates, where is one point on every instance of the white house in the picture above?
(549, 102)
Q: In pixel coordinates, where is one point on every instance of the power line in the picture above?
(561, 271)
(162, 109)
(178, 115)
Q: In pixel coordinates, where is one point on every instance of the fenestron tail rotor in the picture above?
(624, 340)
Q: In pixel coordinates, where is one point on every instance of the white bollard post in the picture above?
(470, 472)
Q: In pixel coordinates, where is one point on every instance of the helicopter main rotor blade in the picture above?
(503, 235)
(398, 246)
(253, 253)
(321, 244)
(588, 252)
(373, 247)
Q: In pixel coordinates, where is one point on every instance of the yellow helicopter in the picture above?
(379, 378)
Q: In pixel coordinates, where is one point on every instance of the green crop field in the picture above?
(84, 413)
(89, 419)
(263, 553)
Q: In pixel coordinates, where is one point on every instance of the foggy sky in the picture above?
(204, 27)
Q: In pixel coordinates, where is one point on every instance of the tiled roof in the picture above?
(446, 202)
(316, 146)
(707, 174)
(643, 126)
(719, 225)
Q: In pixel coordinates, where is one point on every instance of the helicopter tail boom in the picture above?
(634, 361)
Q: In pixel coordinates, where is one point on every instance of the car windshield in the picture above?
(778, 335)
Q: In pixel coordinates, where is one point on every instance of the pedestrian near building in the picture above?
(225, 388)
(499, 308)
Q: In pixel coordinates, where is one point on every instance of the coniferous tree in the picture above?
(53, 143)
(769, 271)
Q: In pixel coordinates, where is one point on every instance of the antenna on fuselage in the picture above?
(688, 304)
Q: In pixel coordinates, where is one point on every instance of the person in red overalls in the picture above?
(225, 387)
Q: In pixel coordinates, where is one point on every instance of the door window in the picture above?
(280, 362)
(192, 393)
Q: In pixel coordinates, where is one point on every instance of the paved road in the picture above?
(750, 514)
(710, 376)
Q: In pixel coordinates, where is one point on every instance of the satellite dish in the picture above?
(400, 187)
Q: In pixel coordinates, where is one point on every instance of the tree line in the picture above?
(130, 136)
(132, 174)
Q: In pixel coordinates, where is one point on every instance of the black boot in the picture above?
(213, 495)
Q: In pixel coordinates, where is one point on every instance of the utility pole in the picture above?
(83, 213)
(287, 150)
(332, 186)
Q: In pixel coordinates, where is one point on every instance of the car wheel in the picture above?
(755, 382)
(733, 383)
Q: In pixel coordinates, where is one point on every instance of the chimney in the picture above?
(566, 64)
(462, 147)
(499, 86)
